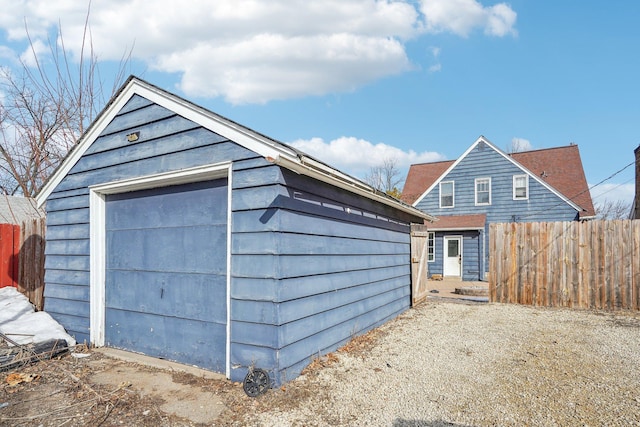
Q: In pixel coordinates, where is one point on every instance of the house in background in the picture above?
(177, 233)
(487, 185)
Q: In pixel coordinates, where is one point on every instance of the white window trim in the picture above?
(475, 185)
(97, 239)
(453, 194)
(526, 180)
(431, 237)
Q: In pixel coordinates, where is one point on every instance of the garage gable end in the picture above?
(137, 93)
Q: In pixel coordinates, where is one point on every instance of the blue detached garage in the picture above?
(177, 233)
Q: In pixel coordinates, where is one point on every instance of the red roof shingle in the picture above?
(459, 222)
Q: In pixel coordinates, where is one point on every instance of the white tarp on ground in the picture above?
(21, 323)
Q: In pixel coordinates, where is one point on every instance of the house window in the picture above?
(431, 246)
(520, 187)
(483, 191)
(446, 194)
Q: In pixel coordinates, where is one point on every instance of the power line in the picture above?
(580, 193)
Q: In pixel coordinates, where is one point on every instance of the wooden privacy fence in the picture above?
(22, 258)
(594, 264)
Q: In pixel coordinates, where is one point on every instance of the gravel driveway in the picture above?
(456, 364)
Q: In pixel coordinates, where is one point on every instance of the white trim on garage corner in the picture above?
(97, 239)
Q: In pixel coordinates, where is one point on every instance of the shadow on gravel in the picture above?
(421, 423)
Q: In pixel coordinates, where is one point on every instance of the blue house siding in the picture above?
(484, 162)
(167, 142)
(335, 267)
(311, 266)
(471, 251)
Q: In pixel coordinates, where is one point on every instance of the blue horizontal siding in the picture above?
(65, 277)
(68, 232)
(68, 216)
(135, 118)
(136, 102)
(76, 326)
(282, 266)
(79, 309)
(174, 125)
(54, 197)
(300, 308)
(255, 334)
(337, 264)
(199, 156)
(312, 265)
(253, 311)
(300, 329)
(67, 247)
(78, 201)
(188, 140)
(311, 244)
(256, 289)
(67, 292)
(336, 335)
(65, 262)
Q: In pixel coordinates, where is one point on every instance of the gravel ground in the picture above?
(455, 364)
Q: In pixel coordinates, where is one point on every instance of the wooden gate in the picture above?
(419, 267)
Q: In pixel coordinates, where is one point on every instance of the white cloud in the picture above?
(461, 17)
(356, 156)
(520, 144)
(435, 51)
(8, 55)
(624, 192)
(249, 51)
(34, 53)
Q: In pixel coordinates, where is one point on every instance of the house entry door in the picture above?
(453, 256)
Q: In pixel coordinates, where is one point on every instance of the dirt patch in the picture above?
(100, 390)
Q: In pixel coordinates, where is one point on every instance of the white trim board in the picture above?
(97, 238)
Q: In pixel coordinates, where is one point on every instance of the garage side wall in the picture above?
(338, 264)
(166, 142)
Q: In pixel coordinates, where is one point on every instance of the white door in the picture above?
(453, 256)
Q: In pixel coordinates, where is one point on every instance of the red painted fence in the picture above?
(22, 259)
(9, 254)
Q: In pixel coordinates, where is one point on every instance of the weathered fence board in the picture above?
(419, 265)
(594, 264)
(31, 261)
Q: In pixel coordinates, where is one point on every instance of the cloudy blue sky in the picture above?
(355, 82)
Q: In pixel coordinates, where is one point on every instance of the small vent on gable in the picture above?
(481, 146)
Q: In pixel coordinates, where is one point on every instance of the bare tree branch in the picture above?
(385, 177)
(612, 209)
(45, 109)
